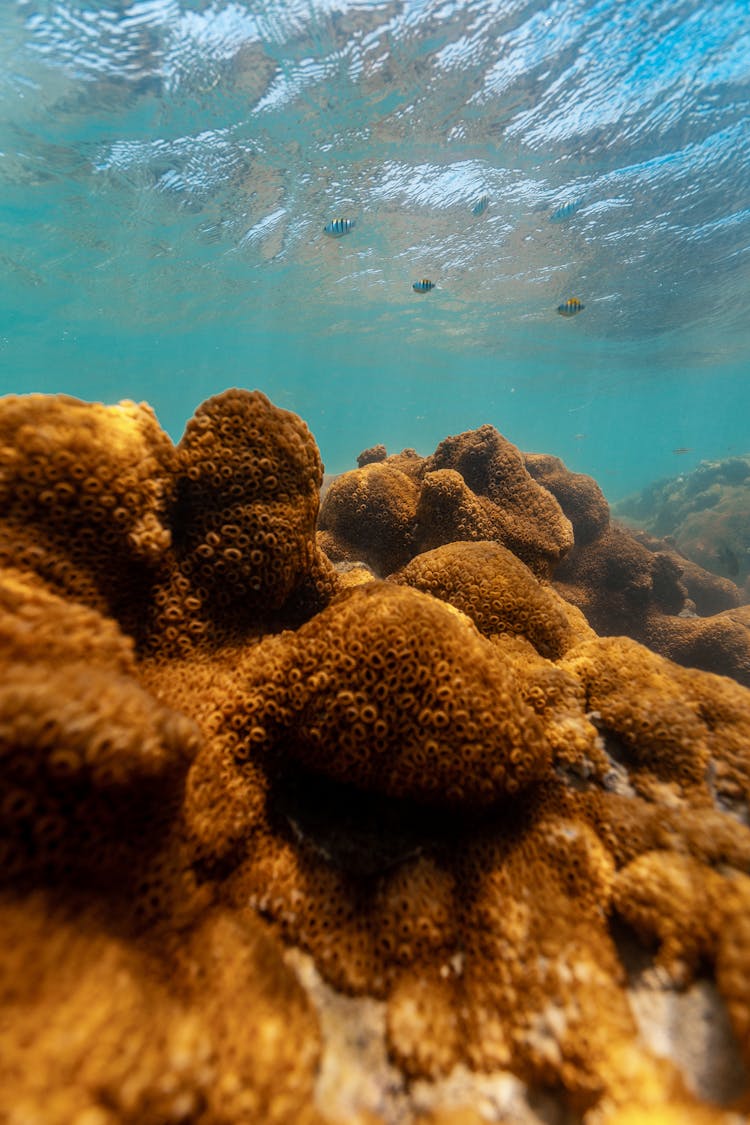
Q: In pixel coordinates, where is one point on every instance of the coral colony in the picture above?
(402, 741)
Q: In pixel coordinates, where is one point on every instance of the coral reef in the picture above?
(498, 592)
(578, 495)
(477, 487)
(624, 587)
(473, 487)
(708, 592)
(97, 1029)
(241, 789)
(705, 514)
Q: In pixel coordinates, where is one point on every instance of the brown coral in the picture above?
(92, 766)
(625, 588)
(455, 797)
(95, 1029)
(473, 487)
(370, 514)
(180, 545)
(247, 495)
(84, 491)
(498, 592)
(480, 932)
(579, 496)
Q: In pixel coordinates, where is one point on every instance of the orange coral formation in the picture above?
(498, 592)
(90, 762)
(375, 705)
(445, 788)
(177, 544)
(246, 502)
(370, 514)
(95, 1029)
(473, 487)
(83, 492)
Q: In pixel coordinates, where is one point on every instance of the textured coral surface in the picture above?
(240, 790)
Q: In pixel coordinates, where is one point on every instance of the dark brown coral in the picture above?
(84, 490)
(474, 487)
(625, 588)
(579, 496)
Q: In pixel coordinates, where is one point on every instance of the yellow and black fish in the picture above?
(337, 227)
(424, 285)
(570, 307)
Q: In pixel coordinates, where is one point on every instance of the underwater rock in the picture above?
(445, 791)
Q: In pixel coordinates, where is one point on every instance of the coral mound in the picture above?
(246, 501)
(474, 487)
(181, 544)
(623, 587)
(388, 690)
(84, 490)
(498, 592)
(579, 496)
(92, 766)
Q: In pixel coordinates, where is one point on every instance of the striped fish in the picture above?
(570, 307)
(424, 285)
(337, 227)
(565, 210)
(481, 205)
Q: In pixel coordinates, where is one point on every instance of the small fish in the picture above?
(683, 449)
(570, 307)
(565, 210)
(481, 205)
(579, 437)
(424, 285)
(337, 227)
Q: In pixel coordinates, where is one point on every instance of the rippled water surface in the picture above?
(166, 169)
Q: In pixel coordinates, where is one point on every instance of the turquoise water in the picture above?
(166, 169)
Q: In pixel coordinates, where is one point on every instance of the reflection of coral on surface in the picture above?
(460, 804)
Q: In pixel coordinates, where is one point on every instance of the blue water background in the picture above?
(166, 169)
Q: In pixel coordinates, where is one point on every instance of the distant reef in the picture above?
(703, 515)
(423, 805)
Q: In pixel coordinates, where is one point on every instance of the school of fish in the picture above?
(336, 228)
